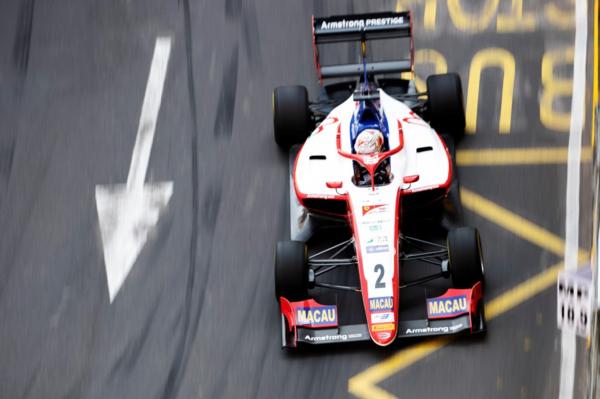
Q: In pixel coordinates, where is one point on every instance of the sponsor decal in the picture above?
(321, 196)
(374, 221)
(361, 23)
(370, 159)
(380, 304)
(373, 249)
(317, 316)
(377, 240)
(373, 209)
(332, 338)
(369, 222)
(425, 188)
(375, 227)
(383, 327)
(433, 330)
(383, 317)
(383, 335)
(446, 307)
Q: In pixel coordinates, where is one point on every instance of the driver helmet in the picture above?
(369, 141)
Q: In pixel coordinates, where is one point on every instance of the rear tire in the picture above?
(445, 104)
(465, 257)
(291, 115)
(291, 270)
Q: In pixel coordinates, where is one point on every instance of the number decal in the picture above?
(379, 269)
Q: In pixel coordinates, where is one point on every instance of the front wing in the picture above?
(305, 322)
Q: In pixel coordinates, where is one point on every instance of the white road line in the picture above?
(128, 212)
(568, 339)
(149, 115)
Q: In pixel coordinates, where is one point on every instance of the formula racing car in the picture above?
(375, 153)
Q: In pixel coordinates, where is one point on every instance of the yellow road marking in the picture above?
(426, 56)
(555, 86)
(491, 58)
(559, 17)
(516, 20)
(364, 384)
(522, 292)
(430, 13)
(516, 224)
(472, 21)
(517, 156)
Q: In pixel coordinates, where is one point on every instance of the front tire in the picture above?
(465, 257)
(291, 270)
(291, 115)
(445, 104)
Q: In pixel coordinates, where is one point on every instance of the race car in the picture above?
(374, 153)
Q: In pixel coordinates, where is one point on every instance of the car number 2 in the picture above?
(379, 269)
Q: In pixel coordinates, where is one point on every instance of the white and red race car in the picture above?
(409, 176)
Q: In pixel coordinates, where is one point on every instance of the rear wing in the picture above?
(361, 28)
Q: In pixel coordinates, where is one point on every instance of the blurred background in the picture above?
(196, 316)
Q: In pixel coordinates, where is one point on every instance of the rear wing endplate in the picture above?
(361, 28)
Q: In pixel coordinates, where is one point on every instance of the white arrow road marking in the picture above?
(127, 212)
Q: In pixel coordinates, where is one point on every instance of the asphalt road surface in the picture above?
(196, 317)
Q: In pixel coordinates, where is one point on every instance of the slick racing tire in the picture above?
(465, 257)
(291, 270)
(445, 104)
(291, 115)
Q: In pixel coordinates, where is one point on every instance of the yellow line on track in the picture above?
(364, 384)
(514, 223)
(522, 292)
(518, 156)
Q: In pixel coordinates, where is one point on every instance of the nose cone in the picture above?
(383, 334)
(382, 320)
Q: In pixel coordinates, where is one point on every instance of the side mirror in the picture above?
(410, 179)
(334, 184)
